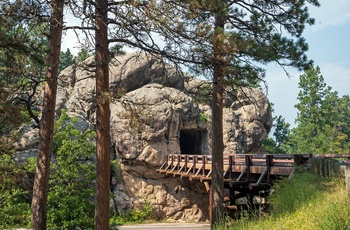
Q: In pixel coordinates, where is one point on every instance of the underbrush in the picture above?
(135, 216)
(307, 201)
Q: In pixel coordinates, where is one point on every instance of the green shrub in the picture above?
(14, 207)
(135, 216)
(202, 117)
(71, 189)
(70, 198)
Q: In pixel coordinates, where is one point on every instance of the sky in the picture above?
(329, 47)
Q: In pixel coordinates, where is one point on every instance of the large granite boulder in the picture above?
(155, 111)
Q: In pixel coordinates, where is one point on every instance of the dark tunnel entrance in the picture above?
(194, 141)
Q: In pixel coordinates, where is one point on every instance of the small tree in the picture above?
(277, 143)
(70, 199)
(228, 39)
(82, 55)
(66, 59)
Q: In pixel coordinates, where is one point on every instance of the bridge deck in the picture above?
(248, 169)
(245, 175)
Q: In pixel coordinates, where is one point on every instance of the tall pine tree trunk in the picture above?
(40, 189)
(102, 117)
(217, 186)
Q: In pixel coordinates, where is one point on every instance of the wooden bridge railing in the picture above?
(252, 169)
(245, 175)
(200, 165)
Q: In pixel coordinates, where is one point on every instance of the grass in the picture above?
(135, 216)
(305, 202)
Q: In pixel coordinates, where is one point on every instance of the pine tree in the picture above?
(227, 39)
(66, 59)
(103, 140)
(277, 143)
(82, 55)
(322, 119)
(40, 188)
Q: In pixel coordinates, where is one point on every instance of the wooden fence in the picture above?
(332, 165)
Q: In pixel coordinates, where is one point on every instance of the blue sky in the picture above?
(329, 47)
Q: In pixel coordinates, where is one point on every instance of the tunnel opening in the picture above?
(194, 141)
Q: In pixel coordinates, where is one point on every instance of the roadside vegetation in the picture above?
(228, 51)
(133, 217)
(307, 201)
(71, 195)
(322, 121)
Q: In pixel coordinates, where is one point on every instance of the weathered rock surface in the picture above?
(155, 112)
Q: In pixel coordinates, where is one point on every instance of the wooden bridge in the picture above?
(245, 175)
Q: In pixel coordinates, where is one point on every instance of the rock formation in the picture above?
(157, 111)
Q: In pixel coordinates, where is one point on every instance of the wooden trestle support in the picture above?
(245, 175)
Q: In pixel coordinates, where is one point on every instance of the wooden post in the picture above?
(210, 206)
(195, 159)
(269, 164)
(230, 162)
(298, 160)
(324, 167)
(347, 180)
(248, 163)
(205, 161)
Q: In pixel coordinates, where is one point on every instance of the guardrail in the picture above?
(249, 175)
(254, 170)
(200, 165)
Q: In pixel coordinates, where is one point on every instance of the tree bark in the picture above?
(217, 186)
(102, 118)
(40, 189)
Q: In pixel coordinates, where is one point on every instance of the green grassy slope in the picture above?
(305, 202)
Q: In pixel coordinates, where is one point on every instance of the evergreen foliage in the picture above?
(71, 193)
(14, 202)
(116, 50)
(22, 59)
(11, 116)
(82, 55)
(66, 59)
(253, 32)
(276, 143)
(22, 51)
(322, 119)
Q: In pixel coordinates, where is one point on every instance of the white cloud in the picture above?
(330, 13)
(283, 91)
(331, 56)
